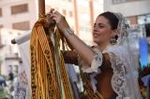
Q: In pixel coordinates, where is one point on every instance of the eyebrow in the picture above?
(100, 24)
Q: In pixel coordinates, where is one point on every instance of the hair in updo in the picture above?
(113, 20)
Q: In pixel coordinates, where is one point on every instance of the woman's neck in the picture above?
(102, 47)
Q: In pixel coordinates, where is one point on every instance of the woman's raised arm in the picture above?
(85, 52)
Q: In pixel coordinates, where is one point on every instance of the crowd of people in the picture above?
(7, 86)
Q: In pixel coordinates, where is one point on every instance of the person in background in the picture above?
(106, 67)
(4, 91)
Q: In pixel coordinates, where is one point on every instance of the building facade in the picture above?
(18, 14)
(136, 11)
(9, 55)
(22, 14)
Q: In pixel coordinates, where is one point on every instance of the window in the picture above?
(1, 26)
(122, 1)
(21, 25)
(147, 28)
(15, 69)
(70, 14)
(10, 67)
(0, 12)
(19, 9)
(10, 32)
(64, 12)
(118, 1)
(128, 20)
(144, 19)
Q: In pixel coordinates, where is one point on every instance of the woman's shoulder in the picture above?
(116, 49)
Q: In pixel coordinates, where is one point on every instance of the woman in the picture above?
(105, 68)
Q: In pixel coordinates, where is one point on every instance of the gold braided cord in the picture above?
(39, 89)
(42, 16)
(45, 83)
(62, 67)
(88, 91)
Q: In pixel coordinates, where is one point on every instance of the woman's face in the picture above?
(102, 31)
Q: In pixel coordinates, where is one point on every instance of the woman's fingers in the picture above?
(57, 13)
(59, 19)
(57, 16)
(51, 11)
(49, 14)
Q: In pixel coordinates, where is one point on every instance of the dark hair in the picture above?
(113, 20)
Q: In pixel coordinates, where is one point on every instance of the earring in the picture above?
(113, 39)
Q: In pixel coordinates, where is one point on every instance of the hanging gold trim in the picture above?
(88, 91)
(45, 83)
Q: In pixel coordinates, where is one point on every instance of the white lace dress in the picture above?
(124, 80)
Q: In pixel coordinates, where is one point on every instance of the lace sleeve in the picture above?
(96, 62)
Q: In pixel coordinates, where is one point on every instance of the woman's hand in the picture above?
(59, 19)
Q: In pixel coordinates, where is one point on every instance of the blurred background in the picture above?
(18, 17)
